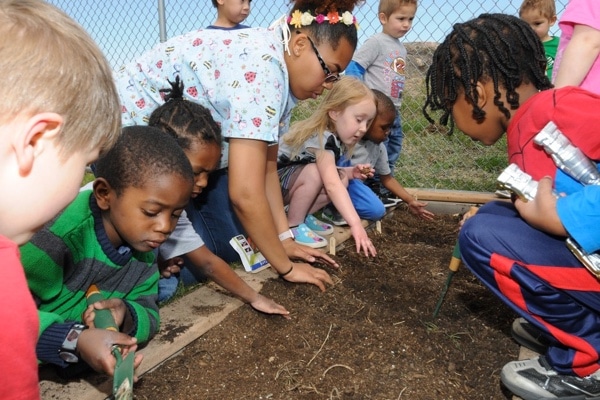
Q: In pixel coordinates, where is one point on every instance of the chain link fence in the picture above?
(430, 158)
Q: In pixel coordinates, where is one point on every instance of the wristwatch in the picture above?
(68, 350)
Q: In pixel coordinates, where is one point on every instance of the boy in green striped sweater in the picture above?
(106, 237)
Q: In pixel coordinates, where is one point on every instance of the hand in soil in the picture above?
(296, 251)
(268, 306)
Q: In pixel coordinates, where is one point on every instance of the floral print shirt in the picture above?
(239, 75)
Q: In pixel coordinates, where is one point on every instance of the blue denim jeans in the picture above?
(393, 143)
(168, 286)
(213, 217)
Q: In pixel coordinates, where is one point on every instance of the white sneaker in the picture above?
(536, 380)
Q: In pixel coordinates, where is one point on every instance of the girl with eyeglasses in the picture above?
(250, 79)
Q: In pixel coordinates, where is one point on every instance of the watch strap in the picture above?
(70, 342)
(68, 350)
(286, 235)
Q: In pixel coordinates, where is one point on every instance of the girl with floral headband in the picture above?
(250, 80)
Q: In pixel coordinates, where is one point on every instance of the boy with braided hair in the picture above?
(489, 77)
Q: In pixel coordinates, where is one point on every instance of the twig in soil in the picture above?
(310, 387)
(336, 279)
(334, 392)
(290, 383)
(321, 348)
(334, 366)
(305, 341)
(402, 391)
(359, 310)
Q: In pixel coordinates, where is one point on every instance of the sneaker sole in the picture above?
(336, 223)
(526, 389)
(525, 338)
(313, 245)
(531, 392)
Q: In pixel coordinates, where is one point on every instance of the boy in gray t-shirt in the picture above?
(370, 150)
(381, 62)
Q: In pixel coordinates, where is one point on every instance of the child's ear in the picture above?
(36, 134)
(382, 18)
(551, 21)
(102, 191)
(333, 114)
(482, 94)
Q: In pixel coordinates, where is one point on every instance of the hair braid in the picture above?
(496, 47)
(186, 121)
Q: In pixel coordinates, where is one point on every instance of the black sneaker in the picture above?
(385, 193)
(535, 380)
(331, 215)
(529, 336)
(387, 203)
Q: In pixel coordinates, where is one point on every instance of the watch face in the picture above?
(73, 334)
(68, 357)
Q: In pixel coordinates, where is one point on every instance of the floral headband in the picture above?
(299, 19)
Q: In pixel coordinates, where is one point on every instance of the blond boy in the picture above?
(59, 109)
(541, 16)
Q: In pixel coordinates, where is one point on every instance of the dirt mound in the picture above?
(371, 336)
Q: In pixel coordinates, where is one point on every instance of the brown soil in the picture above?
(371, 336)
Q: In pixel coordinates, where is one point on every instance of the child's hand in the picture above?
(296, 251)
(363, 243)
(306, 273)
(418, 208)
(95, 347)
(363, 171)
(117, 308)
(268, 306)
(541, 211)
(472, 211)
(170, 266)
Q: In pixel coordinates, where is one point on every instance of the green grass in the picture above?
(87, 178)
(432, 159)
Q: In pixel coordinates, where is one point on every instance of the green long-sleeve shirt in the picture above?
(73, 252)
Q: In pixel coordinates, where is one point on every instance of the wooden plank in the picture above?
(455, 196)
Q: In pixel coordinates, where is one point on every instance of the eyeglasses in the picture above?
(330, 77)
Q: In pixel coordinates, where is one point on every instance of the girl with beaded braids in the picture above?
(250, 80)
(191, 125)
(489, 76)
